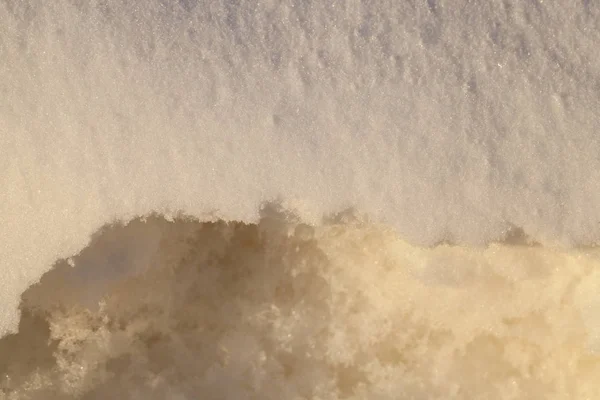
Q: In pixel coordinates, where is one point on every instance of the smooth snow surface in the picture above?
(464, 122)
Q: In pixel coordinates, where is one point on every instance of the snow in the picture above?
(280, 309)
(460, 122)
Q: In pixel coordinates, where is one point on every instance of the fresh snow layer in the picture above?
(450, 121)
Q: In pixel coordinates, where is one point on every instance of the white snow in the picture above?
(453, 121)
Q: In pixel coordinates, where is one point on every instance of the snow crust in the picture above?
(449, 121)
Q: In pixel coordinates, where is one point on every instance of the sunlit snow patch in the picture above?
(282, 310)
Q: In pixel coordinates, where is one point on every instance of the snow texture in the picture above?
(451, 121)
(282, 310)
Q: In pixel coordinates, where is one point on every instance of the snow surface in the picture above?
(281, 310)
(451, 121)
